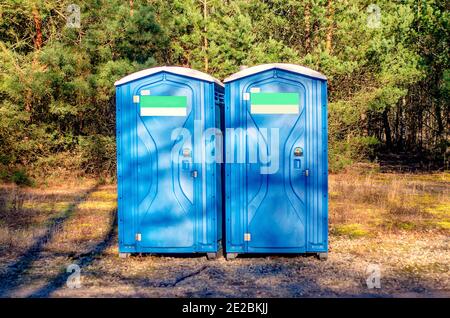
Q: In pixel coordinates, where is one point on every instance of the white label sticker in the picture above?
(163, 111)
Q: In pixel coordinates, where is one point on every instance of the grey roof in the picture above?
(282, 66)
(169, 69)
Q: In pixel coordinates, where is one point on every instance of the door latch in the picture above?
(298, 152)
(306, 172)
(194, 174)
(138, 237)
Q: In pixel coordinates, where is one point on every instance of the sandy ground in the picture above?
(411, 263)
(103, 274)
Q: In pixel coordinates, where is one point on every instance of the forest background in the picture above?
(387, 64)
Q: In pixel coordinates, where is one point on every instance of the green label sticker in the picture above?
(274, 103)
(163, 105)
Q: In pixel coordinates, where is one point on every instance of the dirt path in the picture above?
(342, 275)
(412, 263)
(103, 274)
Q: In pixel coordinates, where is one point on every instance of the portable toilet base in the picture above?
(209, 256)
(276, 170)
(169, 196)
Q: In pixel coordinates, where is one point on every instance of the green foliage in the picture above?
(98, 154)
(353, 149)
(58, 97)
(21, 178)
(388, 85)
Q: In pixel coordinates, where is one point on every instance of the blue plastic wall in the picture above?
(286, 211)
(162, 208)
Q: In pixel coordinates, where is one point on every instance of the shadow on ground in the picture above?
(82, 261)
(14, 273)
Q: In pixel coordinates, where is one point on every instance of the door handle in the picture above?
(306, 172)
(194, 173)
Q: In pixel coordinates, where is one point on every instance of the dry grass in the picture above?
(26, 213)
(400, 222)
(375, 204)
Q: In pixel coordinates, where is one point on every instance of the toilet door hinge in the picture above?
(247, 237)
(138, 237)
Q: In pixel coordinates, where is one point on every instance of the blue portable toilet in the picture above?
(276, 161)
(169, 193)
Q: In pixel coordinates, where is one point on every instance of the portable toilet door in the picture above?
(276, 161)
(169, 193)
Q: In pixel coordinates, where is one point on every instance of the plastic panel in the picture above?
(158, 197)
(286, 211)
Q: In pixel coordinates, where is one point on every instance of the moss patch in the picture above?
(442, 209)
(104, 195)
(353, 230)
(98, 205)
(443, 225)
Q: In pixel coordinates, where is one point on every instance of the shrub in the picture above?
(21, 178)
(343, 153)
(98, 154)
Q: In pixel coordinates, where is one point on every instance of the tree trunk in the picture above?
(131, 7)
(37, 40)
(387, 129)
(402, 123)
(307, 27)
(329, 40)
(438, 115)
(396, 125)
(38, 26)
(205, 35)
